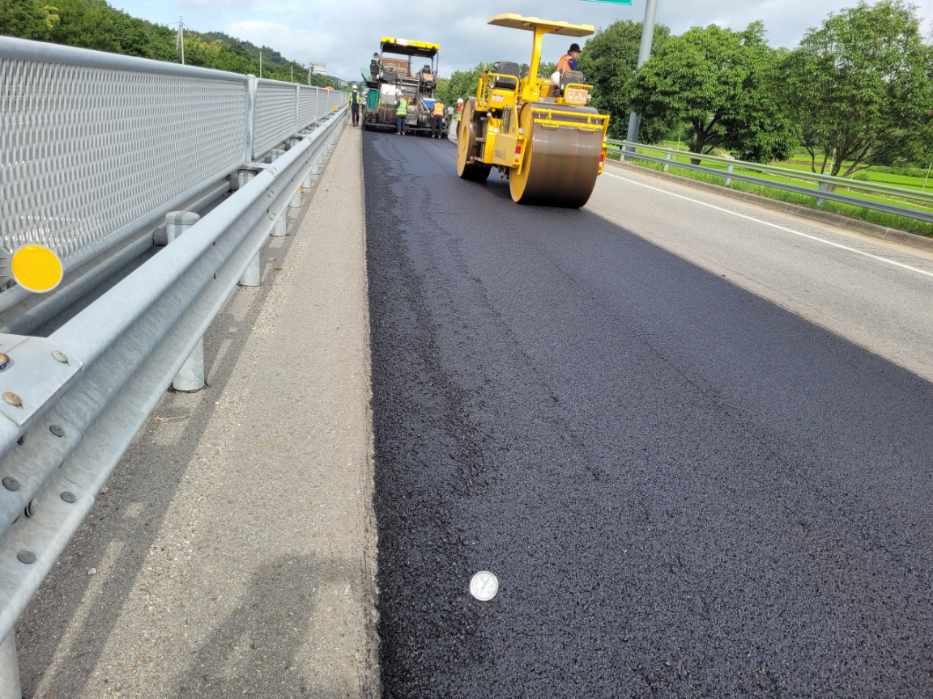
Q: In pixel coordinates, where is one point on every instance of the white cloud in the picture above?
(344, 33)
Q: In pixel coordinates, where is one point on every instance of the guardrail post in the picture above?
(730, 169)
(667, 157)
(252, 275)
(190, 376)
(9, 669)
(824, 187)
(295, 201)
(280, 227)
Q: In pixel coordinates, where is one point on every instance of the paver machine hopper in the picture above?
(546, 139)
(395, 73)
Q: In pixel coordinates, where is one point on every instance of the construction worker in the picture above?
(401, 111)
(569, 60)
(355, 101)
(437, 119)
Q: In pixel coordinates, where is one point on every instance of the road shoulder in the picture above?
(234, 550)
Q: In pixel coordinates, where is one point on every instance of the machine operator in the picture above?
(567, 63)
(569, 60)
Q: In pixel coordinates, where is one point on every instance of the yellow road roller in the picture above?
(540, 132)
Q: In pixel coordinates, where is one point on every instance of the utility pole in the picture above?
(309, 73)
(260, 63)
(644, 53)
(291, 73)
(180, 39)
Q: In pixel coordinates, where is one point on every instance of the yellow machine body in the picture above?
(550, 144)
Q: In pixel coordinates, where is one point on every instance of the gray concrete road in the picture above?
(877, 294)
(232, 553)
(686, 486)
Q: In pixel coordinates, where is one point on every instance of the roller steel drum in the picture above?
(560, 165)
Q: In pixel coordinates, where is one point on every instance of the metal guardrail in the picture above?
(283, 108)
(93, 145)
(92, 142)
(826, 185)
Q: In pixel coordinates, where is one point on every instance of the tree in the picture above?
(720, 83)
(859, 87)
(609, 62)
(461, 84)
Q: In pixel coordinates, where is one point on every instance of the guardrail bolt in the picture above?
(69, 497)
(57, 430)
(10, 483)
(27, 557)
(4, 361)
(60, 357)
(13, 399)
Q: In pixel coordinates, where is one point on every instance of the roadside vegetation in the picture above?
(93, 24)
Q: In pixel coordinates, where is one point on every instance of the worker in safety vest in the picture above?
(437, 119)
(355, 103)
(401, 111)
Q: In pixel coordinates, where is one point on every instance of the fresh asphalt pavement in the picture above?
(687, 484)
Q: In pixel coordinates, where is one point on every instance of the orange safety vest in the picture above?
(438, 108)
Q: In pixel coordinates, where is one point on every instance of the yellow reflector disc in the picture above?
(36, 268)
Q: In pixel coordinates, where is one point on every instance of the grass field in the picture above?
(878, 217)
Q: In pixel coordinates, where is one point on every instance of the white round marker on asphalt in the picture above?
(484, 585)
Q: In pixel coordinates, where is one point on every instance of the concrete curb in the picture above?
(851, 224)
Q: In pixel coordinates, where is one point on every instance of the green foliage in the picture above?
(94, 24)
(609, 62)
(461, 84)
(720, 83)
(860, 89)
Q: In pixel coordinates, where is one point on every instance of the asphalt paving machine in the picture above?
(394, 73)
(542, 135)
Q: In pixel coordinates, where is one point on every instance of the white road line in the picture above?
(779, 227)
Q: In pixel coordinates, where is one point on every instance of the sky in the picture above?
(342, 34)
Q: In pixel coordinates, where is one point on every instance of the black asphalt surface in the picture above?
(684, 490)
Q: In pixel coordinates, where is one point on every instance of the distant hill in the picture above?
(93, 24)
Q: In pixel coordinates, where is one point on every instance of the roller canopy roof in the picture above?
(409, 47)
(515, 21)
